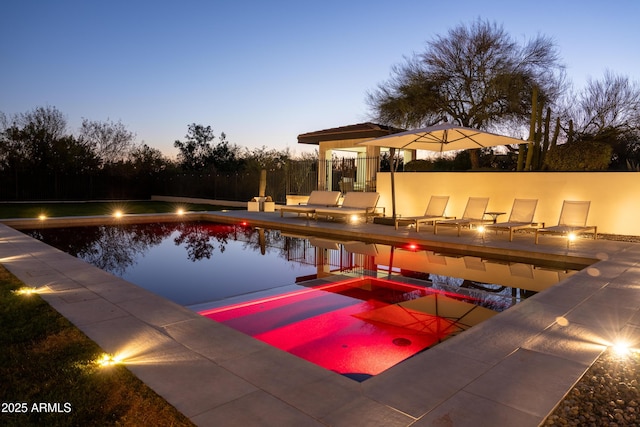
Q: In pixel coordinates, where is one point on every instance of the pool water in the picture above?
(189, 263)
(358, 327)
(356, 308)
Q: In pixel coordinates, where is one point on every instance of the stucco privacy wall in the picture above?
(614, 196)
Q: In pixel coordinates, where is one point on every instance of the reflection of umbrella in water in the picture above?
(438, 138)
(434, 314)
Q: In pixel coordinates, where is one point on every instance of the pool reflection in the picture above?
(251, 260)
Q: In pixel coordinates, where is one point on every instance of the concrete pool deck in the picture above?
(510, 370)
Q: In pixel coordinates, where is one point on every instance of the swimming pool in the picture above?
(353, 307)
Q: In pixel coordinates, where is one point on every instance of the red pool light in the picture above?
(412, 247)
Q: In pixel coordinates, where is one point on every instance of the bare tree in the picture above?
(4, 122)
(48, 122)
(29, 140)
(607, 112)
(111, 141)
(609, 105)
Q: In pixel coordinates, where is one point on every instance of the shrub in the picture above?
(419, 166)
(579, 156)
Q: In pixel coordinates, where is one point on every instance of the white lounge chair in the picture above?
(573, 219)
(473, 215)
(521, 217)
(354, 203)
(317, 199)
(435, 211)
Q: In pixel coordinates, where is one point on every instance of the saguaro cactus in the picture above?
(532, 129)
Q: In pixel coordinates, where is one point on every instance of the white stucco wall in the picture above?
(614, 196)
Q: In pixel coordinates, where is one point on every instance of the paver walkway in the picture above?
(509, 370)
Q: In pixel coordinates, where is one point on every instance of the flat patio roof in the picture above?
(361, 130)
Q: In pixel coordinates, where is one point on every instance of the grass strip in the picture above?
(50, 375)
(34, 210)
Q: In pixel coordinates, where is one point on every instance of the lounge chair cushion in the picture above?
(360, 200)
(354, 203)
(316, 199)
(323, 198)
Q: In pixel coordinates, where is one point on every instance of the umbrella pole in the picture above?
(392, 152)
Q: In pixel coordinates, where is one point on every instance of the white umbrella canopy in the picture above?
(442, 137)
(438, 138)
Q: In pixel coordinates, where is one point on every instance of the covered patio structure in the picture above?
(343, 140)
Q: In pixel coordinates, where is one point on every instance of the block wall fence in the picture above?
(614, 196)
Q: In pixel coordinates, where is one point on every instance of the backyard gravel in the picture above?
(607, 395)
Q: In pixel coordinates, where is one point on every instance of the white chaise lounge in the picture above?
(573, 219)
(473, 215)
(317, 199)
(355, 203)
(435, 211)
(521, 217)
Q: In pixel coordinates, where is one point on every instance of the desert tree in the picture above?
(195, 151)
(266, 158)
(476, 76)
(225, 156)
(146, 160)
(198, 151)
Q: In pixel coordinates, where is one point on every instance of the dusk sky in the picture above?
(263, 71)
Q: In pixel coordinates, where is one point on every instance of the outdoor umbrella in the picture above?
(442, 137)
(438, 138)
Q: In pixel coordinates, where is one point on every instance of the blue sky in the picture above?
(263, 71)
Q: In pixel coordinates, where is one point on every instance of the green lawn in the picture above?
(34, 210)
(48, 369)
(49, 374)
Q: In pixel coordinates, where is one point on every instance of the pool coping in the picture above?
(510, 370)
